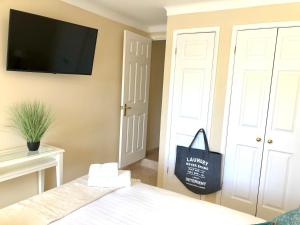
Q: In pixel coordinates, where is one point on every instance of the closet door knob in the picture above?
(258, 139)
(270, 141)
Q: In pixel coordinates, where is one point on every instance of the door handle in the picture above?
(258, 139)
(270, 141)
(125, 108)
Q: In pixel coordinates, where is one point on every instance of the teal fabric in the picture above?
(289, 218)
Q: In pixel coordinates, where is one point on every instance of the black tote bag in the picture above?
(199, 170)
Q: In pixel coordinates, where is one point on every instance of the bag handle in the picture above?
(204, 138)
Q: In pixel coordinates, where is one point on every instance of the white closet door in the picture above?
(191, 96)
(248, 113)
(280, 180)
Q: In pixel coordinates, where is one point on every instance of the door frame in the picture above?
(235, 30)
(171, 89)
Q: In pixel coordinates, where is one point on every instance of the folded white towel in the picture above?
(103, 170)
(122, 180)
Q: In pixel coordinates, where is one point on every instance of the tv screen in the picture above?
(41, 44)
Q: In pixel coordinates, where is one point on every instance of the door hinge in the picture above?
(167, 170)
(175, 51)
(234, 49)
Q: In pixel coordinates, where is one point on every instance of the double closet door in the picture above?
(262, 163)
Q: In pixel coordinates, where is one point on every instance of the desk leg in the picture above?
(59, 169)
(41, 175)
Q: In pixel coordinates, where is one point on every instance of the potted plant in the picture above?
(31, 119)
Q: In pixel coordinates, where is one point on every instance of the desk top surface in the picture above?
(21, 154)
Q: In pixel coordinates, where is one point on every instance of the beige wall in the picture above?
(86, 108)
(225, 20)
(155, 93)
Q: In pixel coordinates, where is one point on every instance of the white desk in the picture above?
(16, 162)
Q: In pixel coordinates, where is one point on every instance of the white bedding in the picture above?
(144, 205)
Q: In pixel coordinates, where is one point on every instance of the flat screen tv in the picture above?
(42, 44)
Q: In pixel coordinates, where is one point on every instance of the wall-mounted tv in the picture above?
(42, 44)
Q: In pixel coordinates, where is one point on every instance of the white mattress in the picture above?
(144, 205)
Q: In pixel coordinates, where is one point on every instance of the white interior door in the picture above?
(253, 65)
(192, 96)
(134, 99)
(280, 179)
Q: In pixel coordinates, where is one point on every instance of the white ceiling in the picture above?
(147, 12)
(148, 15)
(151, 15)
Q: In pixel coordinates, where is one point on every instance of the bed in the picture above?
(139, 204)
